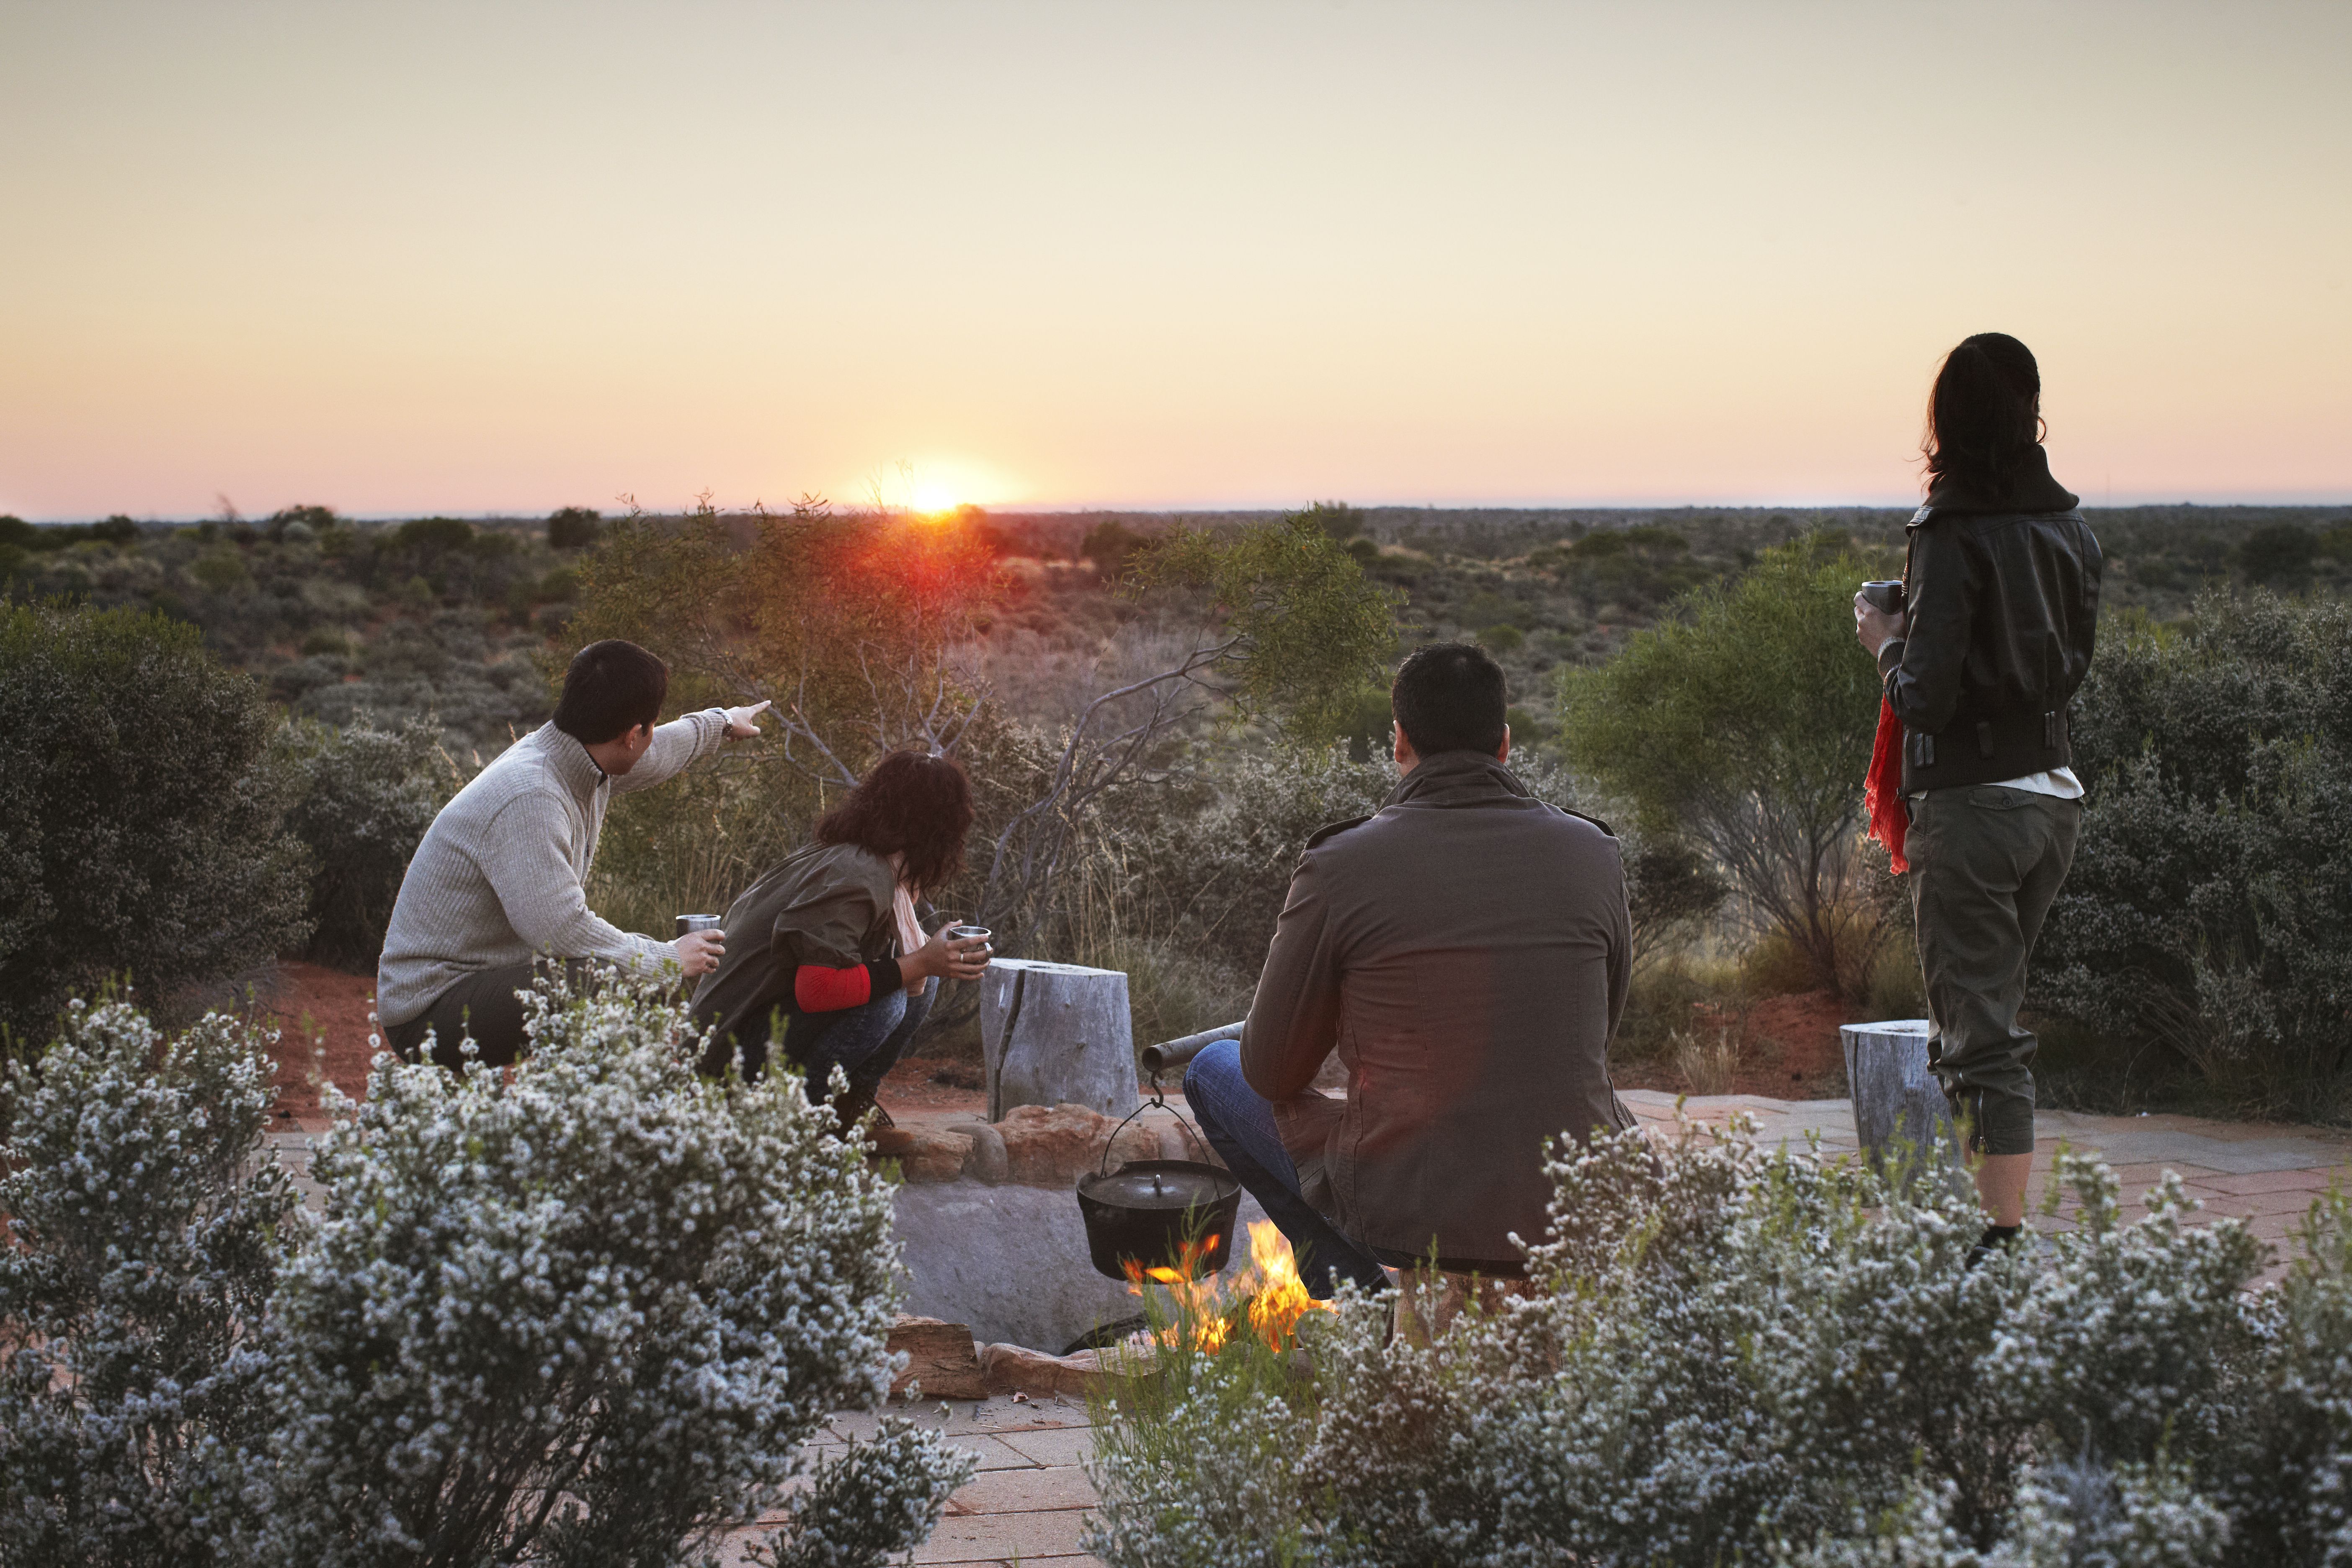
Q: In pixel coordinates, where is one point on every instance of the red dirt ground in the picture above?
(1788, 1045)
(1789, 1048)
(322, 1018)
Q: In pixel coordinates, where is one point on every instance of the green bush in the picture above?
(365, 797)
(1733, 1356)
(587, 1314)
(1745, 728)
(2279, 553)
(140, 814)
(430, 536)
(574, 528)
(2209, 906)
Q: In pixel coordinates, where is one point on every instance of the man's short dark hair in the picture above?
(1448, 697)
(611, 688)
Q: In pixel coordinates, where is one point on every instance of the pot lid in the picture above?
(1159, 1184)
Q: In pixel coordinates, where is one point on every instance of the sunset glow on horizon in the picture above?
(475, 260)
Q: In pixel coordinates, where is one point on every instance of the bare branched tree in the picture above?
(864, 631)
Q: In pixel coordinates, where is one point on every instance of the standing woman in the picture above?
(830, 944)
(2001, 600)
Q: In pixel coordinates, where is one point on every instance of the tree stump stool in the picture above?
(1900, 1109)
(1056, 1034)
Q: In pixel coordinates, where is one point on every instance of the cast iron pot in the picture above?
(1146, 1211)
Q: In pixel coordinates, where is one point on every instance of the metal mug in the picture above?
(1885, 594)
(686, 923)
(962, 931)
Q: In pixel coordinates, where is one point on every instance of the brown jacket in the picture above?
(827, 904)
(1466, 952)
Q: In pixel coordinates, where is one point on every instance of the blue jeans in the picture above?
(1239, 1124)
(866, 1041)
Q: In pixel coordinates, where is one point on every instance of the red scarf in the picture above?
(1881, 791)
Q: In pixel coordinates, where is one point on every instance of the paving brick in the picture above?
(1071, 1446)
(2221, 1204)
(994, 1453)
(1004, 1536)
(2294, 1204)
(964, 1415)
(2310, 1180)
(2149, 1172)
(1028, 1491)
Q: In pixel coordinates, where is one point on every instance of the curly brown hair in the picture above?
(912, 806)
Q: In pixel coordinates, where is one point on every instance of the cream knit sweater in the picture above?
(502, 872)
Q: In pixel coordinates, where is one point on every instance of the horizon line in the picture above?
(1066, 509)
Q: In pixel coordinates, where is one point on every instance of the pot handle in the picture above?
(1160, 1100)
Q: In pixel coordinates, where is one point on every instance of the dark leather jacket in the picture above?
(2002, 605)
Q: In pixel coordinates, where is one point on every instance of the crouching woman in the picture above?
(828, 948)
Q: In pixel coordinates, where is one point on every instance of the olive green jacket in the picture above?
(827, 904)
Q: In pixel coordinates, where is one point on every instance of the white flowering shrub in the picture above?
(587, 1312)
(144, 1238)
(2074, 1514)
(878, 1497)
(1727, 1355)
(584, 1314)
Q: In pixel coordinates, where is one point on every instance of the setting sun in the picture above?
(934, 499)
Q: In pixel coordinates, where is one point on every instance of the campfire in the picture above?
(1269, 1297)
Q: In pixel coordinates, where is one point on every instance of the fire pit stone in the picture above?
(987, 1162)
(926, 1154)
(941, 1357)
(1047, 1148)
(1012, 1367)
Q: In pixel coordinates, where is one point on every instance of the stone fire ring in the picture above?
(994, 1248)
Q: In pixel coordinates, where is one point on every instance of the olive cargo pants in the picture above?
(1986, 861)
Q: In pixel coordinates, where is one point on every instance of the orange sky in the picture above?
(503, 256)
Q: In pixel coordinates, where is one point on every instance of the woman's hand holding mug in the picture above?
(948, 956)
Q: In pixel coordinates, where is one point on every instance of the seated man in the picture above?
(1466, 951)
(498, 878)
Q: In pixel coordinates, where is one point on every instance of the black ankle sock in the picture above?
(1994, 1235)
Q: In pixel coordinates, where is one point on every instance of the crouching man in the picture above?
(1465, 951)
(499, 877)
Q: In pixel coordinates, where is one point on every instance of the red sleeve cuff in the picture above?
(818, 989)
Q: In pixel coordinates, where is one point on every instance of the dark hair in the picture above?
(1984, 415)
(908, 805)
(1448, 697)
(611, 688)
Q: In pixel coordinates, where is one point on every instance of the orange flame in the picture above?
(1281, 1298)
(1270, 1296)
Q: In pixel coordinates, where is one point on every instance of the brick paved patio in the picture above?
(1029, 1501)
(2266, 1173)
